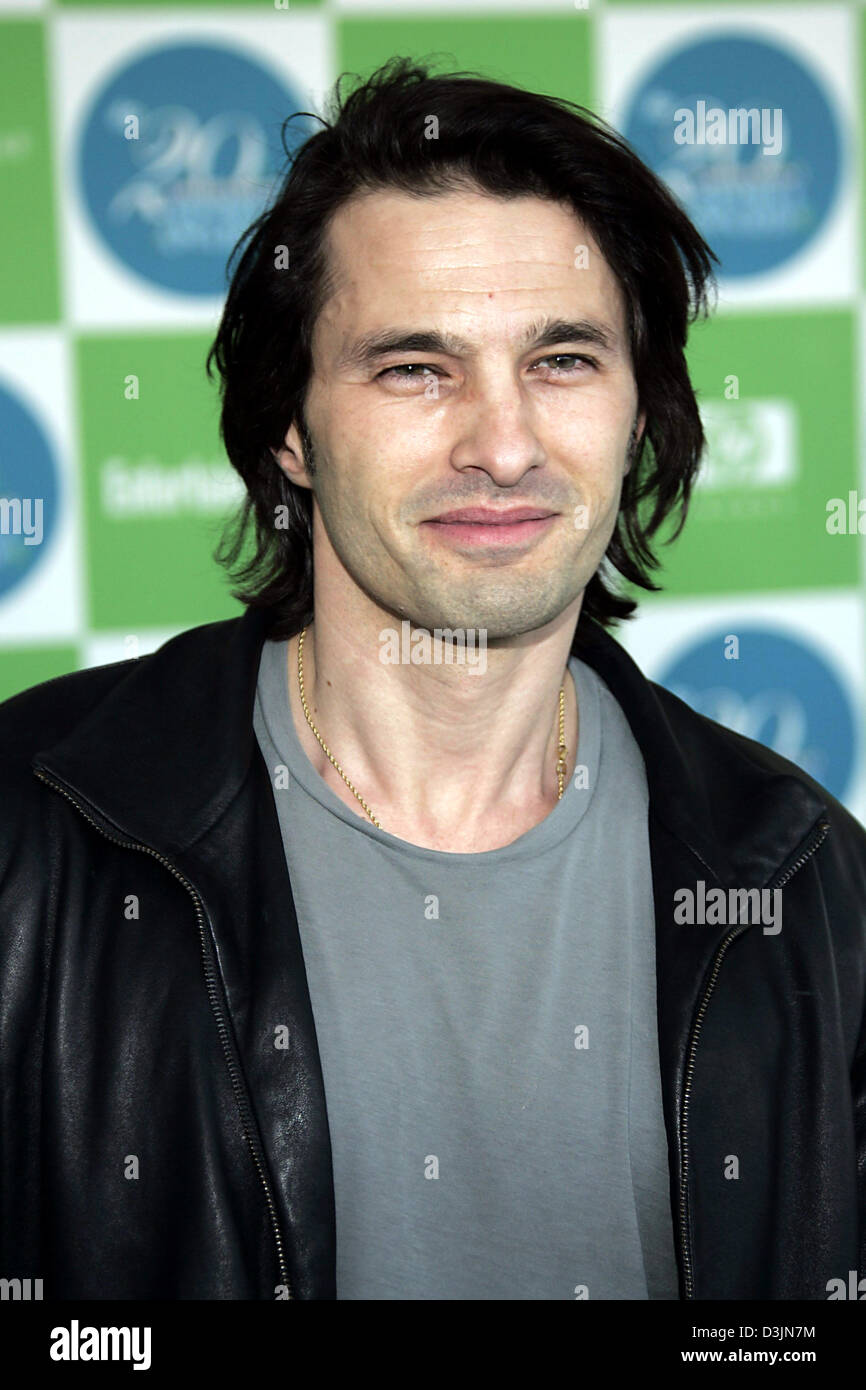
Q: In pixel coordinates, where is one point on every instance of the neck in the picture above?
(445, 756)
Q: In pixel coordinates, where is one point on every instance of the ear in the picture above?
(290, 458)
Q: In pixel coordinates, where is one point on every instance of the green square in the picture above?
(154, 484)
(543, 53)
(30, 283)
(755, 535)
(862, 85)
(21, 667)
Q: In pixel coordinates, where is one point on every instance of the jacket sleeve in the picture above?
(844, 883)
(33, 879)
(858, 1082)
(26, 918)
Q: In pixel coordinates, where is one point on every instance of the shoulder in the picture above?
(44, 714)
(707, 739)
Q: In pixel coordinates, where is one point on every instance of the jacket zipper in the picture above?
(823, 830)
(213, 996)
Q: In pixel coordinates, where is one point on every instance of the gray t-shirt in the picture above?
(487, 1031)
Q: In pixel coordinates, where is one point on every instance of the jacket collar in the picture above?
(167, 750)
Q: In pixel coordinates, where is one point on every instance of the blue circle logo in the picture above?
(29, 488)
(746, 139)
(178, 155)
(779, 691)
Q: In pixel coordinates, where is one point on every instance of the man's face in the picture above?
(481, 415)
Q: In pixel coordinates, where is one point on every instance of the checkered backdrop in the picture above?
(136, 142)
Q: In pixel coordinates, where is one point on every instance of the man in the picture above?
(343, 944)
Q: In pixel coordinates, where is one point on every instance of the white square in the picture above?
(635, 42)
(46, 604)
(100, 288)
(829, 624)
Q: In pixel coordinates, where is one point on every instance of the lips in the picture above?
(483, 516)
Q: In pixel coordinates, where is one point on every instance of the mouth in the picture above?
(487, 526)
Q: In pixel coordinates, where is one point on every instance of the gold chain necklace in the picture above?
(561, 755)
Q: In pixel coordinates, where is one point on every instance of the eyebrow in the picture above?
(367, 350)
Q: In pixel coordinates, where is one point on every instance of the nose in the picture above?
(497, 434)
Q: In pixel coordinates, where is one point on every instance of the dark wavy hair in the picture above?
(506, 142)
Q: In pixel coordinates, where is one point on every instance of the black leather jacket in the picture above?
(156, 1144)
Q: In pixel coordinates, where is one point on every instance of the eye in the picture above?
(566, 357)
(411, 367)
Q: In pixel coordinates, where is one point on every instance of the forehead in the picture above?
(463, 254)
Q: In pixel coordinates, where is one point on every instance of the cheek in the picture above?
(592, 444)
(597, 474)
(599, 495)
(351, 492)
